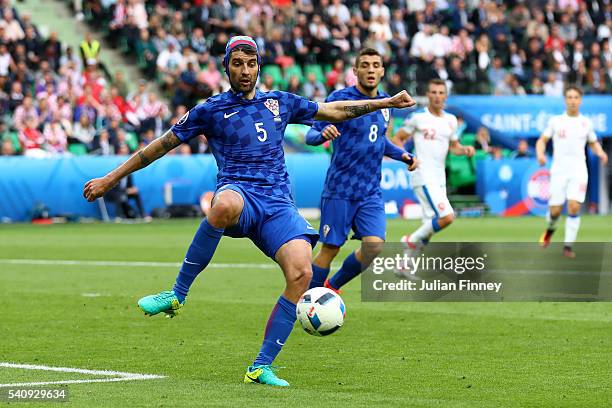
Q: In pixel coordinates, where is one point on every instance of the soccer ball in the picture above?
(320, 311)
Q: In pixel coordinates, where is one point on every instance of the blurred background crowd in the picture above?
(55, 99)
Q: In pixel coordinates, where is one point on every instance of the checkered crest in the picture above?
(272, 105)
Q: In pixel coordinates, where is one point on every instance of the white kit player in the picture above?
(435, 134)
(570, 132)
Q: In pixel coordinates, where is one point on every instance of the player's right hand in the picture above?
(401, 100)
(330, 132)
(542, 160)
(96, 188)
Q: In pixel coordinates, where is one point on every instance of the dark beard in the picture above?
(238, 88)
(368, 88)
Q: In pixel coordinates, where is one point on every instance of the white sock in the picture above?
(552, 222)
(424, 232)
(572, 224)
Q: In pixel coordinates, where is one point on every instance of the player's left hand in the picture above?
(330, 132)
(401, 100)
(469, 151)
(604, 158)
(411, 161)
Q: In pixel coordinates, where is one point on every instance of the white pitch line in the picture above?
(147, 264)
(118, 375)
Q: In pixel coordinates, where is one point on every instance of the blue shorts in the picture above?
(269, 221)
(365, 217)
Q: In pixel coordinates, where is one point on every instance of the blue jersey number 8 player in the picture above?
(245, 130)
(352, 197)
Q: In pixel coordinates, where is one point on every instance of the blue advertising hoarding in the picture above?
(57, 183)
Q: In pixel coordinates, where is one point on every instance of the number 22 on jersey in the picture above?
(429, 134)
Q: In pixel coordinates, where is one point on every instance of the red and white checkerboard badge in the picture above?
(272, 105)
(385, 113)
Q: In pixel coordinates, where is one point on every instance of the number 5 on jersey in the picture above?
(260, 129)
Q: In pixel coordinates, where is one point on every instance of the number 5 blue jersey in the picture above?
(246, 137)
(355, 168)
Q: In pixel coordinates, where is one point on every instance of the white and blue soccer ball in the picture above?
(320, 311)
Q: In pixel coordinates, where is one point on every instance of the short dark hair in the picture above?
(436, 81)
(367, 51)
(247, 49)
(572, 88)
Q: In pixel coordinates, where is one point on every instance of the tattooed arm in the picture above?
(343, 110)
(98, 187)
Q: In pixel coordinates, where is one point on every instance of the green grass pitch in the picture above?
(388, 354)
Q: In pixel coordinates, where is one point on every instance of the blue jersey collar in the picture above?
(355, 91)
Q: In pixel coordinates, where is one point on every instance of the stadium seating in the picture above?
(276, 73)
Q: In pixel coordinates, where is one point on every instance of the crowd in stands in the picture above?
(482, 47)
(55, 99)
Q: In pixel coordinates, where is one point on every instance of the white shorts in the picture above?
(567, 186)
(433, 200)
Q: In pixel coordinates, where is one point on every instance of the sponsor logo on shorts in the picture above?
(326, 229)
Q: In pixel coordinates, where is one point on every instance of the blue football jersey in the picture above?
(356, 162)
(246, 136)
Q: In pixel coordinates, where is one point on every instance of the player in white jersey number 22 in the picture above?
(435, 134)
(570, 132)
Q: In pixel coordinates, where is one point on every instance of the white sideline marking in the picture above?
(146, 264)
(117, 375)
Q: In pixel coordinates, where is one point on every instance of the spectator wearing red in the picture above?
(31, 139)
(554, 40)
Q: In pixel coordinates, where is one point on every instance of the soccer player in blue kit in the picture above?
(245, 129)
(351, 196)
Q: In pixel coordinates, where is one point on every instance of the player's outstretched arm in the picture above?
(343, 110)
(461, 150)
(96, 188)
(541, 149)
(599, 152)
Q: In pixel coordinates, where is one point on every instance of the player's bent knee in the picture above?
(329, 252)
(573, 208)
(370, 250)
(225, 212)
(299, 276)
(446, 220)
(555, 211)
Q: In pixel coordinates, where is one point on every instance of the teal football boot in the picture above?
(165, 301)
(264, 374)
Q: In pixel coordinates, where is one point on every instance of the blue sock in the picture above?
(351, 267)
(318, 276)
(279, 327)
(435, 225)
(198, 256)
